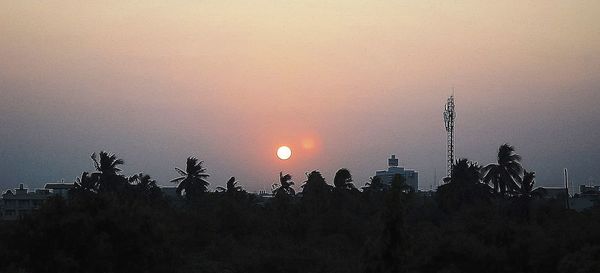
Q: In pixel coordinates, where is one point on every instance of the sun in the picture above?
(284, 152)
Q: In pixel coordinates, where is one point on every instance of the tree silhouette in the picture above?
(465, 172)
(375, 185)
(464, 186)
(231, 187)
(343, 180)
(284, 188)
(315, 184)
(86, 183)
(107, 172)
(525, 189)
(143, 185)
(142, 180)
(524, 193)
(192, 181)
(399, 184)
(388, 253)
(316, 197)
(504, 174)
(107, 164)
(387, 228)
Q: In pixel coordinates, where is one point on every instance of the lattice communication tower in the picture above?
(449, 116)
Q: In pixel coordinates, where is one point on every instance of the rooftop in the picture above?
(59, 186)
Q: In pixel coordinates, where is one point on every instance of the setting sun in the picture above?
(284, 152)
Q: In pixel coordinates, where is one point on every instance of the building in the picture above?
(170, 193)
(581, 204)
(61, 189)
(22, 201)
(592, 192)
(587, 197)
(550, 192)
(411, 176)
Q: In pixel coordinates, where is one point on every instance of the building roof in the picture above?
(59, 186)
(551, 192)
(28, 196)
(170, 192)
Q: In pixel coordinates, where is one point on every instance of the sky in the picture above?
(343, 83)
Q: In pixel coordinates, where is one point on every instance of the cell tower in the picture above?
(449, 116)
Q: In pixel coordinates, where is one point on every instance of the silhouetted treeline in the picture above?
(484, 219)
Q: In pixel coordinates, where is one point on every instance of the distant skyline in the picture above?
(344, 84)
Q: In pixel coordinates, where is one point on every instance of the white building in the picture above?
(411, 176)
(61, 189)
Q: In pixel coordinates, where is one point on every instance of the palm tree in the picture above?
(107, 171)
(143, 181)
(86, 183)
(232, 187)
(144, 184)
(193, 180)
(284, 188)
(107, 164)
(343, 180)
(525, 193)
(525, 189)
(465, 172)
(504, 174)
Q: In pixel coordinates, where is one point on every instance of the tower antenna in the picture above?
(435, 182)
(567, 188)
(449, 117)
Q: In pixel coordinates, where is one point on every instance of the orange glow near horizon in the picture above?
(308, 143)
(342, 83)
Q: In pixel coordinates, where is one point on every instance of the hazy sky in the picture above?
(343, 83)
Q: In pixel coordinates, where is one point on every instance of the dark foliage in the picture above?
(375, 185)
(464, 188)
(343, 180)
(128, 226)
(284, 188)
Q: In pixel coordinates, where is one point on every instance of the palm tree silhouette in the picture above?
(193, 180)
(284, 188)
(144, 186)
(465, 172)
(143, 181)
(343, 180)
(525, 189)
(107, 171)
(504, 174)
(86, 183)
(107, 164)
(232, 187)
